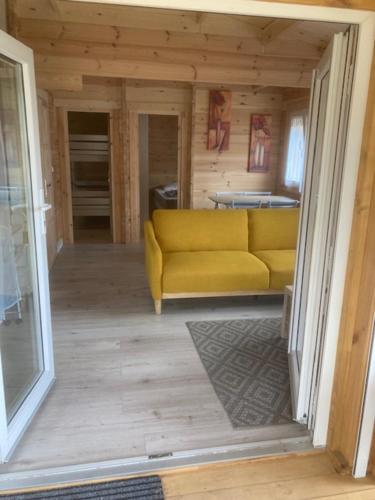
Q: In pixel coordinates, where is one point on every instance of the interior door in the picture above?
(329, 108)
(26, 361)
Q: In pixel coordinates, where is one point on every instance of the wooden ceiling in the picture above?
(72, 39)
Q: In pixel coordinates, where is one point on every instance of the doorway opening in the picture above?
(158, 163)
(89, 147)
(163, 399)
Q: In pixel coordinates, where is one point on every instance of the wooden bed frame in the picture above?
(89, 201)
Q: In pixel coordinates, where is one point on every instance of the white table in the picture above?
(243, 200)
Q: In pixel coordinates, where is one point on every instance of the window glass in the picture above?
(296, 152)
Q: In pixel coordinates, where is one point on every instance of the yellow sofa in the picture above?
(208, 253)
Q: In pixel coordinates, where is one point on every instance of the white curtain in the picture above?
(296, 153)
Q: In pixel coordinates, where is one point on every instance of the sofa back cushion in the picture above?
(199, 230)
(273, 228)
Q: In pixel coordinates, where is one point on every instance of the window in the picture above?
(296, 152)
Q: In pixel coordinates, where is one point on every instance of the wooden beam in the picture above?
(127, 220)
(134, 17)
(177, 72)
(272, 30)
(56, 6)
(257, 89)
(59, 81)
(11, 17)
(132, 178)
(163, 55)
(201, 16)
(117, 175)
(29, 29)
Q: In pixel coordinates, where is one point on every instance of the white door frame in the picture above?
(366, 22)
(366, 31)
(10, 434)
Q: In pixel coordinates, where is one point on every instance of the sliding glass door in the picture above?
(25, 329)
(329, 111)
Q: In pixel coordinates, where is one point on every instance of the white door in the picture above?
(26, 361)
(329, 108)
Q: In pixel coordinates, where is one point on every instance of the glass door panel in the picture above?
(26, 352)
(319, 124)
(20, 329)
(329, 109)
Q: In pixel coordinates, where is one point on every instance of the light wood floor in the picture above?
(293, 478)
(129, 383)
(96, 236)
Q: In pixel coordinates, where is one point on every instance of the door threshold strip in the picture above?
(154, 463)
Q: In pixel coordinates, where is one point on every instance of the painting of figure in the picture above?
(220, 108)
(260, 143)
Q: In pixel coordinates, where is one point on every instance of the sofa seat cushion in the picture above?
(213, 271)
(281, 266)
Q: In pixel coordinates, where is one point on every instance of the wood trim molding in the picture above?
(240, 293)
(133, 216)
(117, 177)
(64, 163)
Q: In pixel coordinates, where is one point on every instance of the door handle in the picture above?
(45, 207)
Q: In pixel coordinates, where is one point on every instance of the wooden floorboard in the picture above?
(129, 383)
(294, 478)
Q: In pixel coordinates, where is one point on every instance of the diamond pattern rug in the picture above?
(247, 363)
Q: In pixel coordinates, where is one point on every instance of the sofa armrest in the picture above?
(154, 260)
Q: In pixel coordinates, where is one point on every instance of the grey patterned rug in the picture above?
(247, 362)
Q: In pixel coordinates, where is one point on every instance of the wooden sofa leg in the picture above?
(157, 304)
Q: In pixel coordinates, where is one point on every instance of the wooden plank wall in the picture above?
(76, 43)
(3, 15)
(208, 172)
(72, 39)
(96, 94)
(227, 171)
(163, 149)
(161, 98)
(123, 100)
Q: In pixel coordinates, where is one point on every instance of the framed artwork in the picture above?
(260, 143)
(220, 109)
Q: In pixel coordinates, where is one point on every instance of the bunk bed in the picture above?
(90, 192)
